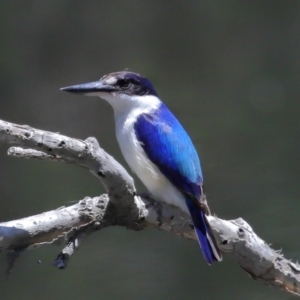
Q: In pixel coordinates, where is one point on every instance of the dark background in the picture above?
(228, 69)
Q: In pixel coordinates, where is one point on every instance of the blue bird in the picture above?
(156, 147)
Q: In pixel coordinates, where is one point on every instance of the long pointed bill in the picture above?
(88, 88)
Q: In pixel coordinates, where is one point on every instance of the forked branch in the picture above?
(70, 226)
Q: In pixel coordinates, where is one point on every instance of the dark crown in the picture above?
(131, 83)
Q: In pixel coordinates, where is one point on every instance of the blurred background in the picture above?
(229, 70)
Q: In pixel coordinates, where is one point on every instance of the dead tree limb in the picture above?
(70, 226)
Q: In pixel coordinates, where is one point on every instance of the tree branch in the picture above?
(70, 226)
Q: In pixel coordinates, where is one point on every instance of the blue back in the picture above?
(170, 148)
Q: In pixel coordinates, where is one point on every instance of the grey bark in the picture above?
(70, 226)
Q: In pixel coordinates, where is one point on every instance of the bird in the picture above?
(156, 147)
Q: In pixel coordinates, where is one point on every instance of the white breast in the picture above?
(157, 184)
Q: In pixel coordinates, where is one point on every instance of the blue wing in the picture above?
(170, 148)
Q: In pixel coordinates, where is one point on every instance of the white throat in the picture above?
(124, 104)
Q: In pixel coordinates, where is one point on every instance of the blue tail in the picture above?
(206, 240)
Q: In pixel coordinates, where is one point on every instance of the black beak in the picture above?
(87, 88)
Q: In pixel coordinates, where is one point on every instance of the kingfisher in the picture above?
(156, 147)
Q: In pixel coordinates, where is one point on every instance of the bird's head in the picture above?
(123, 90)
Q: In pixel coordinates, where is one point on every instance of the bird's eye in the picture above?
(123, 83)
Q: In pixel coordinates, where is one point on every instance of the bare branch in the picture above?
(70, 226)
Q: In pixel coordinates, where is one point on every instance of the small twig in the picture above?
(74, 243)
(30, 154)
